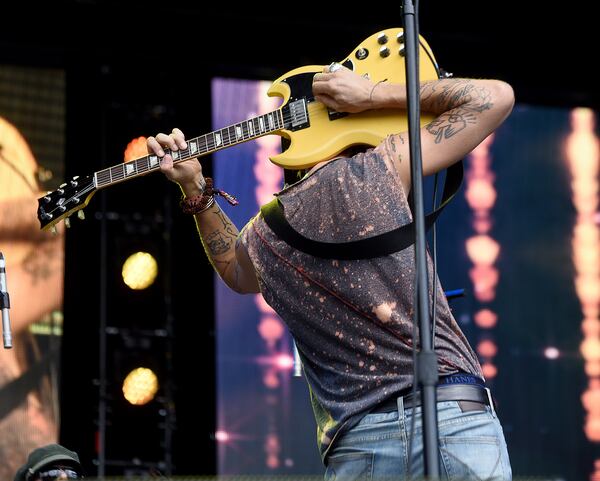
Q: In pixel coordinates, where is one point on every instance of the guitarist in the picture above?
(352, 319)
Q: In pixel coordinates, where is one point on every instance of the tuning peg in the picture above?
(67, 222)
(80, 214)
(54, 230)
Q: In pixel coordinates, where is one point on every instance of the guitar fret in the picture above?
(202, 144)
(141, 164)
(103, 177)
(117, 173)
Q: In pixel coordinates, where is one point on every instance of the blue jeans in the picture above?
(471, 446)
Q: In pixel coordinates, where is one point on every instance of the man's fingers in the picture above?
(328, 101)
(154, 147)
(322, 77)
(179, 138)
(174, 141)
(167, 140)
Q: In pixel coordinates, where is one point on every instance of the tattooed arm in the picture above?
(467, 111)
(228, 256)
(217, 232)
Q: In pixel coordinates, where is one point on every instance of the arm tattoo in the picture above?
(394, 147)
(449, 124)
(228, 227)
(217, 243)
(458, 101)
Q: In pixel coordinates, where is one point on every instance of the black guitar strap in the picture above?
(369, 248)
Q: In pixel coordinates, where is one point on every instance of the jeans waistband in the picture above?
(445, 392)
(461, 378)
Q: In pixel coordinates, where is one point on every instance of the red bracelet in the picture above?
(200, 203)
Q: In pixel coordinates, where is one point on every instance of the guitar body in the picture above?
(330, 134)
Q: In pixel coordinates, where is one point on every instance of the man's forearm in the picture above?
(437, 96)
(218, 235)
(457, 104)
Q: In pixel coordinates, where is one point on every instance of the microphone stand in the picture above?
(427, 367)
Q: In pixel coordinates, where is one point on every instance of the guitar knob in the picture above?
(384, 52)
(400, 37)
(362, 53)
(382, 38)
(401, 51)
(80, 214)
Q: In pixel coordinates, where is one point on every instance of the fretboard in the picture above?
(198, 146)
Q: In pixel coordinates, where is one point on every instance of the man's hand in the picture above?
(343, 90)
(188, 174)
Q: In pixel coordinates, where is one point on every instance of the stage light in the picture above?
(139, 270)
(486, 319)
(487, 348)
(284, 362)
(489, 370)
(135, 149)
(222, 436)
(551, 353)
(140, 386)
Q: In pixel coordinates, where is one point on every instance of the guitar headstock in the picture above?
(70, 197)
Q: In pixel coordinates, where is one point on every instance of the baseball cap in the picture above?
(47, 456)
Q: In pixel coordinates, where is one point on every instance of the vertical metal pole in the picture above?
(427, 371)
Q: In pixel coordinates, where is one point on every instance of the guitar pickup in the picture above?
(297, 113)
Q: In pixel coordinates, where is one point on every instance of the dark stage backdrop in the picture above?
(32, 110)
(521, 238)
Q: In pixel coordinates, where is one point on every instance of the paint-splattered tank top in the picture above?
(351, 320)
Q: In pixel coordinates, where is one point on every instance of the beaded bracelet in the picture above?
(200, 203)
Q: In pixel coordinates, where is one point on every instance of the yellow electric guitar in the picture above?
(312, 130)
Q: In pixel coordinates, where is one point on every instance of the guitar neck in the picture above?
(203, 145)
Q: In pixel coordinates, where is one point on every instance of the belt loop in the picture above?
(400, 402)
(491, 400)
